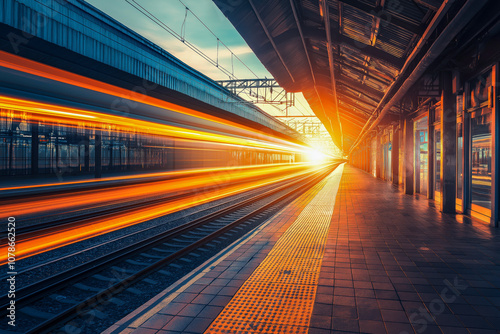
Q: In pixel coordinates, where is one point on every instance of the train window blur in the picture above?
(481, 158)
(70, 148)
(15, 141)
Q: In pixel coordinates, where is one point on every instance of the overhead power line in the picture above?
(181, 38)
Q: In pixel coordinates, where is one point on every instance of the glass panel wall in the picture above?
(437, 164)
(481, 158)
(460, 149)
(421, 155)
(387, 162)
(373, 157)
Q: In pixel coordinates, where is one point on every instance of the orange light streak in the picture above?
(103, 197)
(17, 63)
(74, 117)
(33, 243)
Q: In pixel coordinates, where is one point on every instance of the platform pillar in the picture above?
(34, 148)
(367, 156)
(379, 160)
(98, 154)
(408, 167)
(448, 144)
(362, 157)
(395, 156)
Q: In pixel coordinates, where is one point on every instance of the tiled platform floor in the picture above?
(392, 264)
(198, 305)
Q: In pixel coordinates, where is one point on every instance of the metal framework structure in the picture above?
(266, 91)
(354, 60)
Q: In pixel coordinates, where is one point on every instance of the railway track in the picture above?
(78, 296)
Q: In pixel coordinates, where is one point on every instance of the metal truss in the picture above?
(266, 91)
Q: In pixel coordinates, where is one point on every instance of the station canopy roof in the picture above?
(343, 55)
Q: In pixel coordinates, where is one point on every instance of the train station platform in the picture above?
(352, 255)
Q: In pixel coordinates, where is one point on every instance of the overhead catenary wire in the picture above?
(218, 39)
(181, 37)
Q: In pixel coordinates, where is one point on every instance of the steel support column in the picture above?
(448, 145)
(368, 155)
(408, 156)
(363, 154)
(379, 159)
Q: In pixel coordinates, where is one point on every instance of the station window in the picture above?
(481, 158)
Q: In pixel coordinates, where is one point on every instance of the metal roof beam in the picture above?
(344, 91)
(365, 49)
(351, 122)
(352, 115)
(432, 7)
(364, 89)
(365, 73)
(353, 112)
(372, 51)
(306, 50)
(354, 97)
(386, 17)
(353, 104)
(326, 11)
(410, 76)
(271, 39)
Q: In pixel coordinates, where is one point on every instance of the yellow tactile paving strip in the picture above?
(279, 295)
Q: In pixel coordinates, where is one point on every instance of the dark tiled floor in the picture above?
(194, 309)
(394, 264)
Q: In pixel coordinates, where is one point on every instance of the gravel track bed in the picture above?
(75, 254)
(100, 319)
(88, 324)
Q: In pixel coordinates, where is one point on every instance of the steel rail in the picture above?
(105, 294)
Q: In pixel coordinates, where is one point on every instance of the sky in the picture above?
(173, 14)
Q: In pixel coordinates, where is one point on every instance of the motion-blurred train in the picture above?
(67, 144)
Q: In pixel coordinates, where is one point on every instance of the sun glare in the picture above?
(316, 156)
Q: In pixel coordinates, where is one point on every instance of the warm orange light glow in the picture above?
(42, 112)
(34, 243)
(316, 156)
(238, 140)
(101, 197)
(17, 63)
